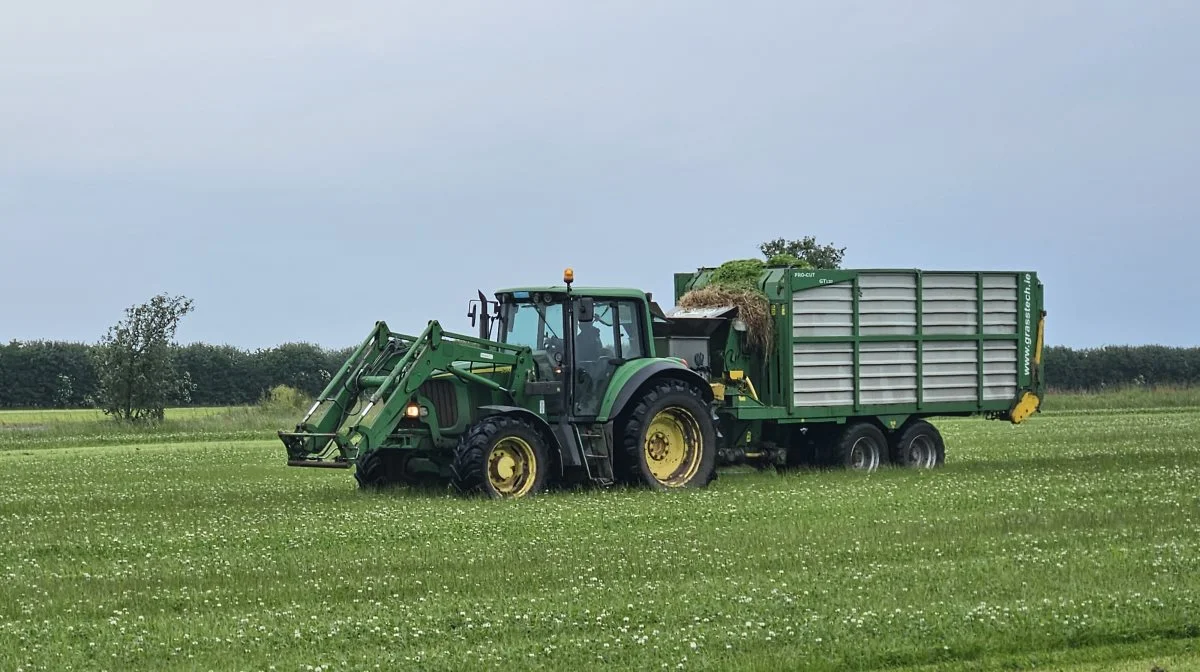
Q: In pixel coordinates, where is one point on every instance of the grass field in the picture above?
(88, 415)
(1069, 543)
(1123, 399)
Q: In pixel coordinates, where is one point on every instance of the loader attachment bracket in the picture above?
(323, 464)
(314, 449)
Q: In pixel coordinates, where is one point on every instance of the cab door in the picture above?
(612, 336)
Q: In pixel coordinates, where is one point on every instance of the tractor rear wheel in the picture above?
(861, 446)
(919, 446)
(501, 457)
(669, 440)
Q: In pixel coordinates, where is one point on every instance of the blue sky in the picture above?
(302, 169)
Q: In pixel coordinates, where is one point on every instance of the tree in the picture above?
(135, 365)
(805, 249)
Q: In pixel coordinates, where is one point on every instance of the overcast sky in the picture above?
(302, 168)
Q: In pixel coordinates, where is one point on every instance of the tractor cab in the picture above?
(579, 336)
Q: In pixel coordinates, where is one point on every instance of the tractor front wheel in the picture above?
(501, 457)
(378, 469)
(669, 440)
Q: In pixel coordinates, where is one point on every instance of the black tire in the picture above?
(501, 457)
(919, 446)
(379, 469)
(861, 446)
(676, 405)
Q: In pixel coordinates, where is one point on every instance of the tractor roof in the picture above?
(614, 292)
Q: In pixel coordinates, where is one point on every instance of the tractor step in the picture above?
(598, 464)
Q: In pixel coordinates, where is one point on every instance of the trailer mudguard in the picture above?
(634, 374)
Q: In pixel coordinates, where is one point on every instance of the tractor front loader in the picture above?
(569, 392)
(388, 408)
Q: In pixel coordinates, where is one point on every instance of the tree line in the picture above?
(136, 369)
(48, 374)
(1117, 366)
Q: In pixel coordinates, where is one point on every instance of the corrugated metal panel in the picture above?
(823, 311)
(887, 304)
(950, 371)
(889, 312)
(949, 304)
(887, 373)
(1000, 304)
(823, 374)
(999, 370)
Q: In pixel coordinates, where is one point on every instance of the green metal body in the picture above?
(885, 346)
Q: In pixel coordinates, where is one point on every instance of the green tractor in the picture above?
(568, 391)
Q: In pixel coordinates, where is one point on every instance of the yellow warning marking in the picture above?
(1025, 407)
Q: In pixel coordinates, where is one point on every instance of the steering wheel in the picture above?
(554, 349)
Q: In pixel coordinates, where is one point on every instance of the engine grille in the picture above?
(441, 394)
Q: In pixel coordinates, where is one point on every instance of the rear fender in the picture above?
(627, 384)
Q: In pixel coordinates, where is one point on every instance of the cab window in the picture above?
(597, 338)
(631, 330)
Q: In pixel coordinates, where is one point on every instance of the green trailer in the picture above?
(860, 359)
(565, 386)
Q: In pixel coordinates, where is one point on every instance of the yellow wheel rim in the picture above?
(673, 447)
(512, 467)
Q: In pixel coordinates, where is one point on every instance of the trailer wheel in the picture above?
(919, 446)
(379, 469)
(501, 457)
(861, 446)
(669, 440)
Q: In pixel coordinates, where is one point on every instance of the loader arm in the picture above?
(385, 373)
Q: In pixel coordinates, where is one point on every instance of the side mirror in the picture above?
(586, 309)
(478, 312)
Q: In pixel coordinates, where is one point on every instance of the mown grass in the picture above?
(1071, 542)
(1123, 399)
(29, 429)
(48, 429)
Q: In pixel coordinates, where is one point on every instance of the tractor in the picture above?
(568, 391)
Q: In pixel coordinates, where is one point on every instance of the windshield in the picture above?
(532, 324)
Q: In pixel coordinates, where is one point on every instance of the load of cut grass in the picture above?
(734, 283)
(788, 260)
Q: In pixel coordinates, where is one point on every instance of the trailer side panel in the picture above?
(910, 341)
